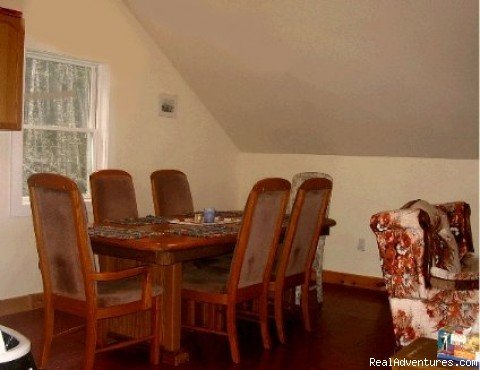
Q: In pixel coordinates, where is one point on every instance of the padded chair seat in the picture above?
(122, 291)
(210, 279)
(224, 261)
(470, 263)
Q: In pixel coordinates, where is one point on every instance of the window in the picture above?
(63, 123)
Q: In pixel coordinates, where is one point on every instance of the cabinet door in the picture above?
(12, 34)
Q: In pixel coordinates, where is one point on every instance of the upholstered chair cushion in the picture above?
(60, 240)
(210, 279)
(307, 223)
(172, 194)
(115, 197)
(470, 263)
(110, 293)
(224, 261)
(261, 235)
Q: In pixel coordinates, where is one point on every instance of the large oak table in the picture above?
(167, 251)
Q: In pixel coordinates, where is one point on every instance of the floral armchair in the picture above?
(427, 288)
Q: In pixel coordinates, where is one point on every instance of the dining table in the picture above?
(166, 243)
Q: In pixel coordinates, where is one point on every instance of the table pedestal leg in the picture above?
(171, 277)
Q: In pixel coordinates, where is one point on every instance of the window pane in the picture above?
(66, 153)
(57, 93)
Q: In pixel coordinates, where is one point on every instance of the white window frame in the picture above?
(20, 205)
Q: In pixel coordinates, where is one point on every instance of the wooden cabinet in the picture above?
(12, 35)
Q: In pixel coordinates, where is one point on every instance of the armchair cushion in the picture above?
(470, 262)
(466, 279)
(445, 252)
(447, 275)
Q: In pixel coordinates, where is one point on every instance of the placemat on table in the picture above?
(120, 233)
(205, 230)
(199, 231)
(147, 220)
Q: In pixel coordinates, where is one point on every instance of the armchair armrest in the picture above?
(401, 237)
(443, 279)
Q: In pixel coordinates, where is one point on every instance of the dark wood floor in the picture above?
(353, 325)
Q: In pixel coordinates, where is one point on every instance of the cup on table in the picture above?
(198, 218)
(209, 215)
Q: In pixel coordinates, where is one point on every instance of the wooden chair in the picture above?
(171, 193)
(70, 282)
(297, 181)
(251, 267)
(295, 258)
(113, 198)
(113, 195)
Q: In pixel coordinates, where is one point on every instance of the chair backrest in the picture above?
(305, 226)
(258, 237)
(171, 193)
(458, 214)
(63, 245)
(113, 195)
(298, 180)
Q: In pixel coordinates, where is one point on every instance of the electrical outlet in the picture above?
(361, 245)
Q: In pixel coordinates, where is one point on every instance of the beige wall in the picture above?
(104, 31)
(140, 141)
(366, 185)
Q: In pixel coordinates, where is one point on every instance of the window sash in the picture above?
(94, 67)
(59, 128)
(99, 115)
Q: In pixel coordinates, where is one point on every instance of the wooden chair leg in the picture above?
(278, 311)
(49, 317)
(156, 332)
(263, 315)
(232, 332)
(305, 303)
(90, 343)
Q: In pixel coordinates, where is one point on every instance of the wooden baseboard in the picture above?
(360, 281)
(19, 304)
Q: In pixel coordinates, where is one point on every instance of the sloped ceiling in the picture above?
(341, 77)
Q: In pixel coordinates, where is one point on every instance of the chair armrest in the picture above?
(121, 274)
(443, 279)
(145, 271)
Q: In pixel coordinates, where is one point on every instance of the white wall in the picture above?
(104, 31)
(363, 186)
